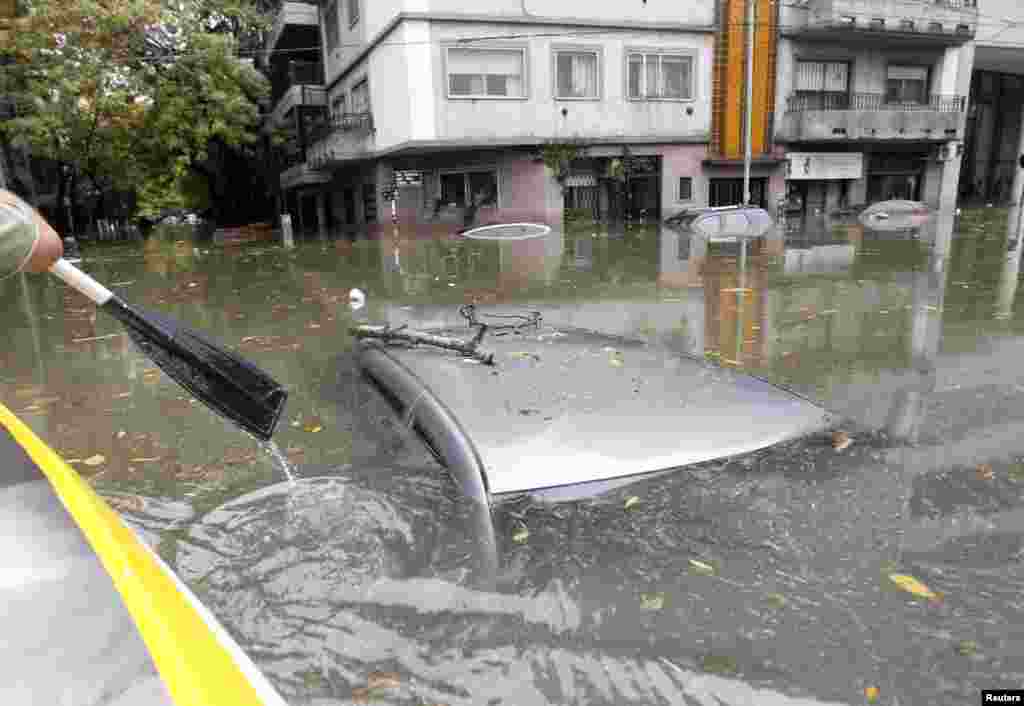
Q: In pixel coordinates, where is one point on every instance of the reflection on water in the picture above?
(752, 580)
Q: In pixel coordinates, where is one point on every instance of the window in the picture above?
(906, 84)
(576, 74)
(486, 73)
(353, 13)
(331, 26)
(360, 101)
(659, 77)
(685, 189)
(823, 85)
(457, 188)
(338, 105)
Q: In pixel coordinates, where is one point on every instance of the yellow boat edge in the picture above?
(199, 662)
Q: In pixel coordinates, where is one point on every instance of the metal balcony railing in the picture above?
(295, 73)
(802, 102)
(342, 122)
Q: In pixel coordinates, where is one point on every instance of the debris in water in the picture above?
(631, 502)
(966, 648)
(984, 472)
(699, 567)
(841, 440)
(520, 535)
(913, 586)
(871, 694)
(356, 299)
(97, 460)
(652, 601)
(383, 680)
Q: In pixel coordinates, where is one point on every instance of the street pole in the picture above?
(749, 103)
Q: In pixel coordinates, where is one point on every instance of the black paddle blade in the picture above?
(220, 379)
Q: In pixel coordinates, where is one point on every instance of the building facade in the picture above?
(872, 100)
(501, 112)
(996, 112)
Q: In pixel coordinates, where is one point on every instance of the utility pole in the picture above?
(749, 102)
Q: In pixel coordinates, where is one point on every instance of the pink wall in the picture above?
(679, 161)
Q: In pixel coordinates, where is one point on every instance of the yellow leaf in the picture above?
(701, 568)
(617, 362)
(631, 501)
(96, 460)
(912, 585)
(520, 535)
(652, 601)
(871, 694)
(775, 600)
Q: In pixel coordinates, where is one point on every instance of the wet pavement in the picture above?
(765, 579)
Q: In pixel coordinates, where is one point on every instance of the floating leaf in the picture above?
(96, 460)
(966, 647)
(912, 585)
(652, 601)
(1016, 473)
(841, 440)
(520, 535)
(775, 600)
(383, 680)
(699, 567)
(126, 503)
(616, 362)
(631, 501)
(718, 664)
(313, 426)
(871, 694)
(984, 472)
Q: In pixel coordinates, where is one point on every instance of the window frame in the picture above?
(353, 17)
(825, 62)
(351, 95)
(679, 189)
(597, 51)
(332, 20)
(465, 172)
(687, 53)
(926, 96)
(524, 79)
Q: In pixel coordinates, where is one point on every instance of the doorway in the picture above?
(729, 192)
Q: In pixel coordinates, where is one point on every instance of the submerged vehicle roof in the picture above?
(564, 406)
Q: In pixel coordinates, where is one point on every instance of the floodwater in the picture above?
(760, 580)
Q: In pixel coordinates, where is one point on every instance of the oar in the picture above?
(225, 382)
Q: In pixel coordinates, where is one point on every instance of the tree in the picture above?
(130, 94)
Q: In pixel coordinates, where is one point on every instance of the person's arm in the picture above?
(27, 242)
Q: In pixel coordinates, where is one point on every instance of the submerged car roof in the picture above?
(564, 406)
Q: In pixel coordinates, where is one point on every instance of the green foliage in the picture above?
(558, 157)
(132, 92)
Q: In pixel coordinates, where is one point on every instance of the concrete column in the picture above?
(321, 215)
(383, 173)
(1017, 190)
(300, 210)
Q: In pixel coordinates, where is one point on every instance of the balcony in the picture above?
(837, 117)
(343, 137)
(309, 96)
(294, 22)
(936, 22)
(301, 174)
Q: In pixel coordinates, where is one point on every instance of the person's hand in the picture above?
(48, 247)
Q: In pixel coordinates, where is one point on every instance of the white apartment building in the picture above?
(872, 99)
(449, 106)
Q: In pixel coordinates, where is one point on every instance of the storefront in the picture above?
(896, 176)
(818, 183)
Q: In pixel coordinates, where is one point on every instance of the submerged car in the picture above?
(725, 224)
(896, 215)
(566, 411)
